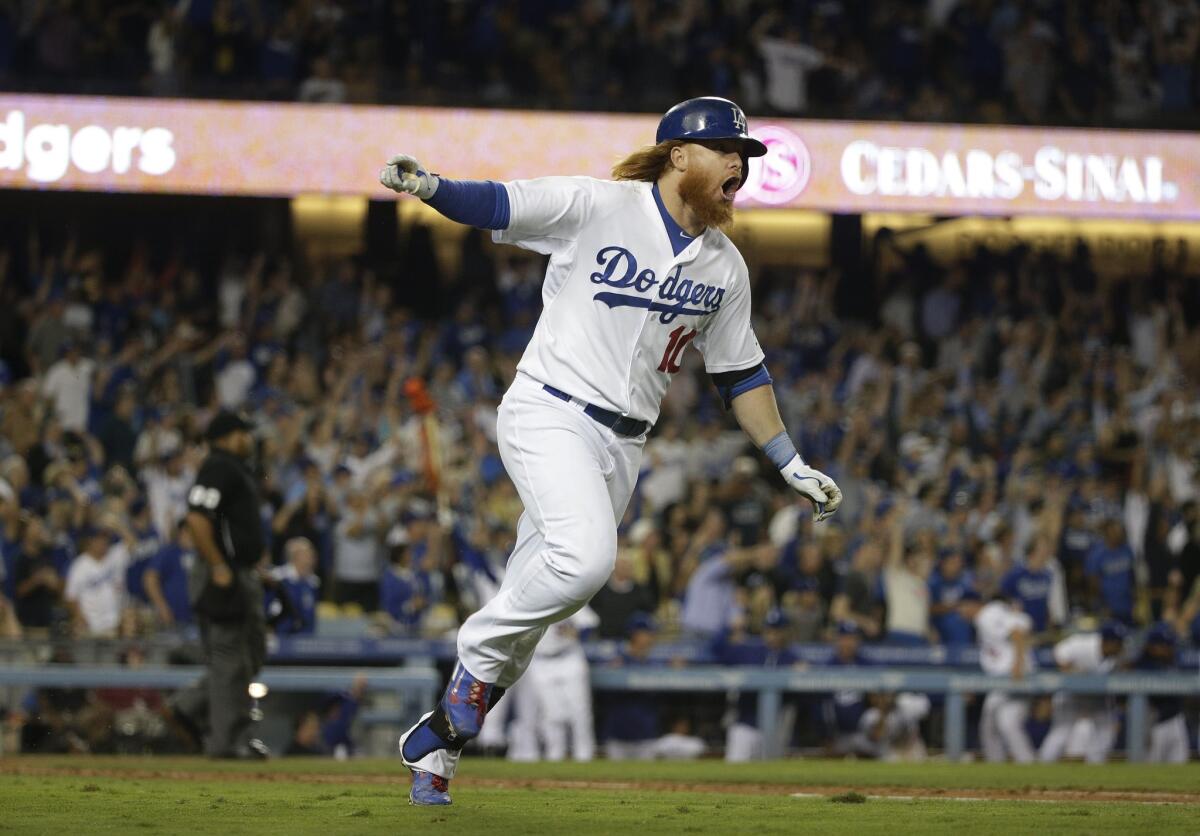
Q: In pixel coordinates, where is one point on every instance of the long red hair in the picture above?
(647, 164)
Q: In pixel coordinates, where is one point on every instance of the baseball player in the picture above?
(554, 705)
(743, 738)
(1168, 735)
(1084, 725)
(890, 730)
(1004, 650)
(638, 270)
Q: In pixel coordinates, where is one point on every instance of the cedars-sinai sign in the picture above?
(246, 148)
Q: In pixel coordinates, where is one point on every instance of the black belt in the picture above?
(620, 424)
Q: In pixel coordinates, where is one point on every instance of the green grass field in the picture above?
(190, 795)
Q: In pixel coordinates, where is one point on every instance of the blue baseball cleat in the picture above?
(429, 790)
(458, 718)
(466, 702)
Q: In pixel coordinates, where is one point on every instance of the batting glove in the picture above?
(814, 486)
(404, 174)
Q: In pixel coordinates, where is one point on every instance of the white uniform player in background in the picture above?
(890, 730)
(1004, 650)
(638, 270)
(553, 700)
(1085, 725)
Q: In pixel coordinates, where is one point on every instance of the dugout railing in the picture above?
(417, 685)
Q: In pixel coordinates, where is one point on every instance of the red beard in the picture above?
(698, 193)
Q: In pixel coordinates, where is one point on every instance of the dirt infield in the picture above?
(28, 769)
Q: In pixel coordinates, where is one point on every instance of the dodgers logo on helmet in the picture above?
(782, 174)
(739, 119)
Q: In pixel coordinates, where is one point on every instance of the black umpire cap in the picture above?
(226, 422)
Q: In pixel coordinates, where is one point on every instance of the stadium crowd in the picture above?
(1012, 423)
(1016, 61)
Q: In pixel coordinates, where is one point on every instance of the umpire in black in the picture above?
(227, 597)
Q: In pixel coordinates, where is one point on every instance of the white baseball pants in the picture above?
(1169, 741)
(1002, 728)
(1081, 728)
(743, 743)
(575, 478)
(554, 713)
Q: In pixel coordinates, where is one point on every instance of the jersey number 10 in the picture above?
(679, 341)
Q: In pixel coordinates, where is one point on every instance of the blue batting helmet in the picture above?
(1113, 631)
(708, 117)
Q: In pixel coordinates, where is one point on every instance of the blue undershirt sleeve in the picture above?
(479, 203)
(732, 384)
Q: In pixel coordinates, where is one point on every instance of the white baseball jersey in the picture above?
(994, 625)
(1082, 653)
(98, 588)
(619, 306)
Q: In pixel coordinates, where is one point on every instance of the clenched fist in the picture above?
(814, 486)
(405, 175)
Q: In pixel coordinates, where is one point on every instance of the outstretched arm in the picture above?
(479, 203)
(544, 214)
(758, 415)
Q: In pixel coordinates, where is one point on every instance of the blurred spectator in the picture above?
(236, 375)
(842, 711)
(322, 85)
(1031, 584)
(306, 509)
(788, 61)
(168, 479)
(951, 594)
(906, 585)
(1168, 732)
(145, 543)
(618, 600)
(166, 580)
(356, 552)
(1109, 568)
(326, 730)
(68, 386)
(745, 502)
(162, 51)
(118, 435)
(39, 587)
(296, 587)
(743, 739)
(890, 728)
(402, 595)
(891, 59)
(710, 598)
(95, 588)
(859, 601)
(630, 723)
(1085, 725)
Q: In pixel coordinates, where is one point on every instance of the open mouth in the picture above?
(730, 186)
